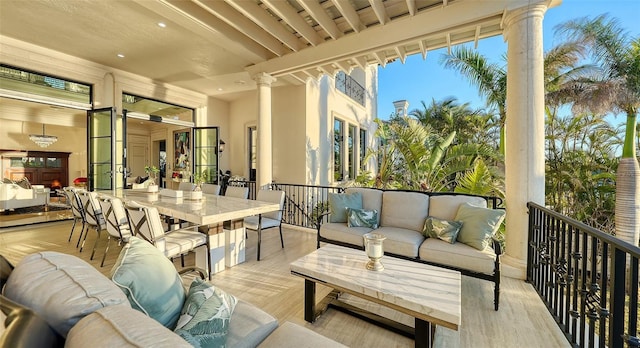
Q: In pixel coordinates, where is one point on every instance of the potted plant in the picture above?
(152, 172)
(199, 179)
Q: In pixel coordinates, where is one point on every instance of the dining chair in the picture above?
(186, 186)
(211, 189)
(237, 191)
(116, 219)
(76, 209)
(93, 216)
(267, 220)
(145, 222)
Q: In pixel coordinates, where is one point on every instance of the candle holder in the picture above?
(374, 250)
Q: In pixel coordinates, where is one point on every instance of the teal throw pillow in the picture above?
(362, 218)
(478, 225)
(339, 202)
(205, 316)
(442, 229)
(150, 281)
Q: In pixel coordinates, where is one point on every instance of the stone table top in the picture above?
(423, 291)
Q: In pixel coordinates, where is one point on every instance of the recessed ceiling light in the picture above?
(220, 89)
(240, 82)
(120, 55)
(162, 25)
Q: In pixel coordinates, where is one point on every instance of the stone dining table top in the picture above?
(423, 291)
(211, 209)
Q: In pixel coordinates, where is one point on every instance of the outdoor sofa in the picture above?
(411, 220)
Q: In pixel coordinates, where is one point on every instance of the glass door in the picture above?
(106, 149)
(205, 153)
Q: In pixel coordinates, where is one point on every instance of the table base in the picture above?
(423, 333)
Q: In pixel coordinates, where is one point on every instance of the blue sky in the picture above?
(421, 80)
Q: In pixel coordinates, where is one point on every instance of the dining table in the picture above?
(220, 217)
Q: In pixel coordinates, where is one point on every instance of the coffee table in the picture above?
(432, 295)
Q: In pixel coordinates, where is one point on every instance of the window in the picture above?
(338, 149)
(351, 142)
(363, 149)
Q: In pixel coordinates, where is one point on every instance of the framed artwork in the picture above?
(182, 149)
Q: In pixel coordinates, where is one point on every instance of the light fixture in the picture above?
(221, 146)
(120, 55)
(43, 140)
(162, 25)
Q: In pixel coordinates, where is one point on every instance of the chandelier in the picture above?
(43, 140)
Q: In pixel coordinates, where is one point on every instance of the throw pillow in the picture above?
(362, 218)
(478, 224)
(24, 183)
(7, 181)
(339, 202)
(150, 281)
(205, 316)
(442, 229)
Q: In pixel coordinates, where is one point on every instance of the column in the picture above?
(524, 151)
(264, 172)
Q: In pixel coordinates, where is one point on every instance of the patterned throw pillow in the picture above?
(204, 319)
(441, 229)
(362, 218)
(24, 183)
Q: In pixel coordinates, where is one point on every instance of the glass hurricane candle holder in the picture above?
(373, 248)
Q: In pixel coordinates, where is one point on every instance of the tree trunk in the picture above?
(628, 200)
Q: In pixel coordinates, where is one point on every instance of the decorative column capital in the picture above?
(263, 79)
(532, 11)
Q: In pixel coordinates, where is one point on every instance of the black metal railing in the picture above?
(349, 86)
(304, 203)
(242, 183)
(588, 279)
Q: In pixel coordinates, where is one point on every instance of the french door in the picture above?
(206, 142)
(106, 149)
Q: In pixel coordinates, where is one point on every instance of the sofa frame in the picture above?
(492, 202)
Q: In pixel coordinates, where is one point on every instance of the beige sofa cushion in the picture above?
(446, 207)
(458, 255)
(341, 232)
(402, 242)
(121, 326)
(404, 210)
(371, 198)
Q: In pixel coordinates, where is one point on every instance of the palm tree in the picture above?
(490, 79)
(618, 90)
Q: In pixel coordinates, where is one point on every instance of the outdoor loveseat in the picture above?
(421, 226)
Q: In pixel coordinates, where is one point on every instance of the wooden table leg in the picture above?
(424, 332)
(309, 301)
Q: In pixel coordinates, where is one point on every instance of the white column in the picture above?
(264, 172)
(524, 150)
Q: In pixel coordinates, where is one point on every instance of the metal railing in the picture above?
(588, 279)
(349, 86)
(304, 203)
(242, 183)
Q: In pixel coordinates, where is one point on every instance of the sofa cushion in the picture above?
(339, 202)
(61, 288)
(458, 255)
(342, 233)
(442, 229)
(249, 326)
(404, 210)
(205, 315)
(371, 198)
(150, 281)
(401, 241)
(446, 206)
(362, 218)
(121, 326)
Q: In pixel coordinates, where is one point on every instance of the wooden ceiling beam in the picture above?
(380, 11)
(266, 22)
(411, 6)
(315, 10)
(289, 15)
(349, 14)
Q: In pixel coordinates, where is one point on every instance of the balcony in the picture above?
(349, 86)
(574, 295)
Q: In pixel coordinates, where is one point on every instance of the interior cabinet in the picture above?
(50, 169)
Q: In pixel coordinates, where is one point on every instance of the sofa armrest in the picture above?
(320, 217)
(25, 329)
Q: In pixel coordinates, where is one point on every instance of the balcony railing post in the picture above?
(617, 299)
